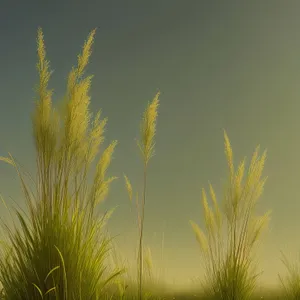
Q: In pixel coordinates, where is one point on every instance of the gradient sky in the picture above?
(218, 64)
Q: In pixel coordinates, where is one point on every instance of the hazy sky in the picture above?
(218, 64)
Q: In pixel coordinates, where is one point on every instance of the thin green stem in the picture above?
(141, 236)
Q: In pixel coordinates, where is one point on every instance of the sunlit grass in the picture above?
(61, 249)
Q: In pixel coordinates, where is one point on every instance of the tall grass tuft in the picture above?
(232, 230)
(291, 283)
(60, 250)
(146, 146)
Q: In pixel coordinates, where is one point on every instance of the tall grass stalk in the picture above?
(146, 146)
(60, 250)
(233, 230)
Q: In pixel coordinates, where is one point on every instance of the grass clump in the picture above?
(232, 231)
(291, 282)
(59, 252)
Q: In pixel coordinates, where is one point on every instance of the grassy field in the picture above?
(61, 249)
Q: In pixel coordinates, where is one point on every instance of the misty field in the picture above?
(61, 249)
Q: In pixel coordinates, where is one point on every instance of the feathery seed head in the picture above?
(7, 160)
(259, 224)
(148, 129)
(71, 82)
(128, 187)
(40, 45)
(105, 160)
(102, 189)
(239, 176)
(254, 174)
(83, 59)
(216, 207)
(42, 66)
(200, 236)
(96, 137)
(260, 165)
(253, 160)
(78, 116)
(229, 155)
(100, 186)
(44, 121)
(208, 214)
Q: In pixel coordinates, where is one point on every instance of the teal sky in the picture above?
(218, 64)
